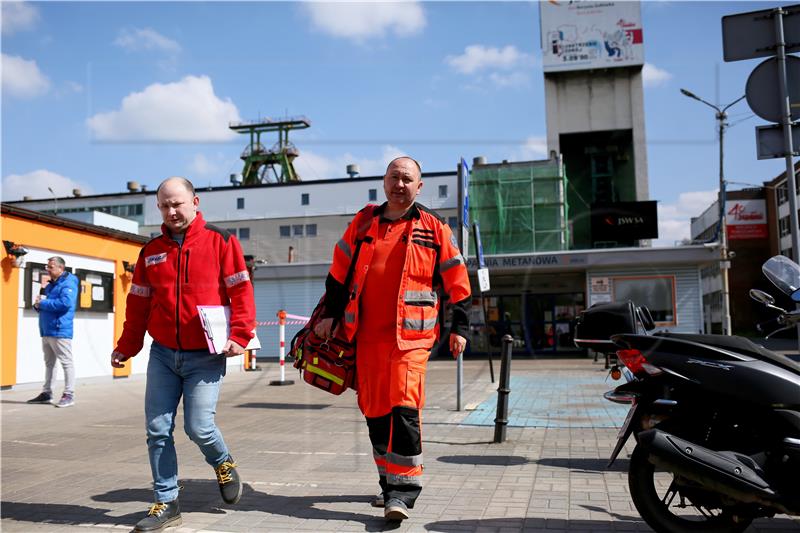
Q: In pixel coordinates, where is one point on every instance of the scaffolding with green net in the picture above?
(520, 207)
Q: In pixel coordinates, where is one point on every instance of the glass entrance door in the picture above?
(550, 321)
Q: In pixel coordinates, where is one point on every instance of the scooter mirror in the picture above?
(767, 299)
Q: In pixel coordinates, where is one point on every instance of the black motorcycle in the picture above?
(716, 418)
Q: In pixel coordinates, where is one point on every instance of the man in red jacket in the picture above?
(191, 263)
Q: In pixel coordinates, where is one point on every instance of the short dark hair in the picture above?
(405, 157)
(186, 183)
(57, 260)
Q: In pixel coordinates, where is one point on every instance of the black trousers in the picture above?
(397, 451)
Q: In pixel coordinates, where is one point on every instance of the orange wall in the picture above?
(34, 234)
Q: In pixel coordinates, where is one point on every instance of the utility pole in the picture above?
(724, 264)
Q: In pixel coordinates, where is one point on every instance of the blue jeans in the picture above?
(197, 376)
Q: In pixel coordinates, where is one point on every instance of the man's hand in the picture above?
(232, 348)
(457, 344)
(118, 359)
(323, 328)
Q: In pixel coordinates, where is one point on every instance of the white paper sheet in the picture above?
(216, 321)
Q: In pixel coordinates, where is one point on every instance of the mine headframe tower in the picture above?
(273, 165)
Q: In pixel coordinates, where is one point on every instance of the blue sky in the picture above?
(95, 94)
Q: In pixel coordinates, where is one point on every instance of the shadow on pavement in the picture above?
(457, 443)
(488, 460)
(586, 465)
(289, 406)
(196, 496)
(528, 524)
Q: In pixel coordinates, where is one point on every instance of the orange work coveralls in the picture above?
(391, 309)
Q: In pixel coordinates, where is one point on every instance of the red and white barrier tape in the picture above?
(296, 320)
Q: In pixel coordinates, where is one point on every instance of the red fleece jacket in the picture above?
(171, 280)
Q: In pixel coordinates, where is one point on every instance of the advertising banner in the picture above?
(746, 219)
(624, 221)
(586, 34)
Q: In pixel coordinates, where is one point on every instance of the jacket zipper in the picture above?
(186, 268)
(178, 300)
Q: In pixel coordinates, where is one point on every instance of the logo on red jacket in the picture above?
(151, 260)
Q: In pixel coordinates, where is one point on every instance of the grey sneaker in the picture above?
(395, 510)
(67, 400)
(44, 397)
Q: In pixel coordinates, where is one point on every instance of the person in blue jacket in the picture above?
(56, 306)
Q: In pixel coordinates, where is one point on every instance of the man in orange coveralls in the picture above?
(405, 252)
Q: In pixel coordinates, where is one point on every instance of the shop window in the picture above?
(655, 292)
(452, 222)
(783, 193)
(285, 232)
(783, 226)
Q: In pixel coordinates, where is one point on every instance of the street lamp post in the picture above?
(721, 116)
(55, 199)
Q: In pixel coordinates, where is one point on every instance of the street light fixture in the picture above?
(55, 200)
(721, 116)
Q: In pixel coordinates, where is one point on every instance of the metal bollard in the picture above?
(503, 390)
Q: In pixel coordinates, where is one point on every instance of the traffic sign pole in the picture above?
(786, 122)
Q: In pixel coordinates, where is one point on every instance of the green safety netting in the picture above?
(520, 207)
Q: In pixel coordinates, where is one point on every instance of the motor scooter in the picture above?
(716, 418)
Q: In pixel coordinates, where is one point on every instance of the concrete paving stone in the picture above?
(306, 459)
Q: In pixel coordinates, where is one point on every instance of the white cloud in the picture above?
(35, 184)
(362, 21)
(202, 166)
(534, 148)
(22, 77)
(148, 39)
(477, 57)
(514, 79)
(184, 111)
(311, 166)
(674, 220)
(74, 86)
(499, 67)
(652, 76)
(17, 16)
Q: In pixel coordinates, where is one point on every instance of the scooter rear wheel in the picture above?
(654, 493)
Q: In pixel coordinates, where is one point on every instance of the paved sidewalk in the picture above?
(306, 460)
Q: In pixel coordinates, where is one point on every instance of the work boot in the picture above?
(67, 400)
(395, 510)
(230, 486)
(160, 516)
(44, 397)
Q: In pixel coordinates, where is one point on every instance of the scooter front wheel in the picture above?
(670, 506)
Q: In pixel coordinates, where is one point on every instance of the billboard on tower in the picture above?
(589, 34)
